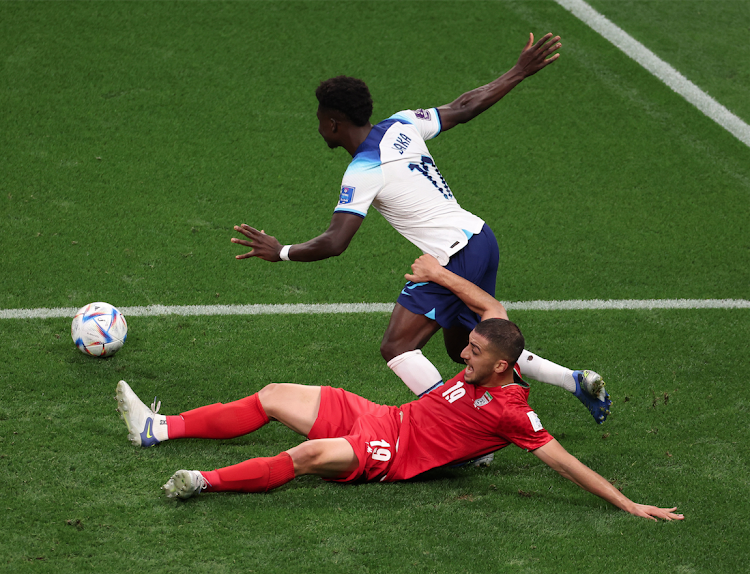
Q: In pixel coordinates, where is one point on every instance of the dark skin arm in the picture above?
(533, 58)
(331, 243)
(343, 226)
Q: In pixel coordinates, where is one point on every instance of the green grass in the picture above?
(136, 134)
(698, 37)
(198, 127)
(83, 499)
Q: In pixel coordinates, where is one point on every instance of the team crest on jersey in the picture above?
(483, 400)
(423, 114)
(347, 195)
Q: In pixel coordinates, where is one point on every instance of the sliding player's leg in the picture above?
(352, 439)
(296, 406)
(532, 366)
(587, 386)
(328, 458)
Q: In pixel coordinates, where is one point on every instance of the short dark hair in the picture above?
(504, 336)
(349, 96)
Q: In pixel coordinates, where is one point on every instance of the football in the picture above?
(99, 329)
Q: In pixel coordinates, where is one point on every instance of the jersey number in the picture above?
(455, 392)
(383, 453)
(426, 167)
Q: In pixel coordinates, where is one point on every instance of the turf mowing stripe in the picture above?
(659, 68)
(335, 308)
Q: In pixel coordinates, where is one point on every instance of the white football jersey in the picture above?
(393, 171)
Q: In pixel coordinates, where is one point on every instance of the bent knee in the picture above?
(307, 457)
(390, 349)
(271, 395)
(268, 392)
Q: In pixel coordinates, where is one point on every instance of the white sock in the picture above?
(160, 428)
(417, 372)
(545, 371)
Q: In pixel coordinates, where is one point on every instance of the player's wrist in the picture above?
(284, 253)
(516, 74)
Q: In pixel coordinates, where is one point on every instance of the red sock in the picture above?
(254, 475)
(219, 420)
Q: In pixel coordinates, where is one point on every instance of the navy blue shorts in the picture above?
(477, 262)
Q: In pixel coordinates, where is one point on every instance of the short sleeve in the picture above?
(360, 185)
(522, 427)
(426, 122)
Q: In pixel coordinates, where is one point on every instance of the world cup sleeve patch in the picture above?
(535, 422)
(422, 114)
(347, 195)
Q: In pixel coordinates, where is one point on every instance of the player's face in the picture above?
(481, 361)
(325, 128)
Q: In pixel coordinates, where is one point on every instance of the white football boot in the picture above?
(184, 484)
(137, 416)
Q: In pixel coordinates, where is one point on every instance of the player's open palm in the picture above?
(534, 57)
(654, 512)
(264, 246)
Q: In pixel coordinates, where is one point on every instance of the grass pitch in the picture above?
(83, 499)
(137, 134)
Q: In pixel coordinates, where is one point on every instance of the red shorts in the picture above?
(371, 429)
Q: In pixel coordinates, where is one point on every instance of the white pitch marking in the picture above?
(659, 68)
(336, 308)
(615, 304)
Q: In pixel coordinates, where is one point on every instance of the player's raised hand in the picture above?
(534, 57)
(425, 268)
(654, 512)
(262, 245)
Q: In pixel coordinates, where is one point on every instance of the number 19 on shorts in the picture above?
(381, 450)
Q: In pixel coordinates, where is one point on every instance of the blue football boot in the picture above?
(591, 392)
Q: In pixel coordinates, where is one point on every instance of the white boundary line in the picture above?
(659, 68)
(337, 308)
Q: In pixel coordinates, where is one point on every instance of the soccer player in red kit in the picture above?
(392, 170)
(483, 409)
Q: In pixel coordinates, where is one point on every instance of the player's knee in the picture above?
(390, 349)
(269, 396)
(385, 351)
(268, 391)
(308, 458)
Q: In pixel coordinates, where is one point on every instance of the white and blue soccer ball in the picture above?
(99, 329)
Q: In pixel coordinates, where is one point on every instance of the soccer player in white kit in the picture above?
(392, 170)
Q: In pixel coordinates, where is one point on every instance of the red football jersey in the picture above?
(460, 421)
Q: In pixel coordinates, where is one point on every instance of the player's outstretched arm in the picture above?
(556, 457)
(427, 268)
(533, 58)
(331, 243)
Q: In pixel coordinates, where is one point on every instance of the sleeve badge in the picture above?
(423, 114)
(347, 195)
